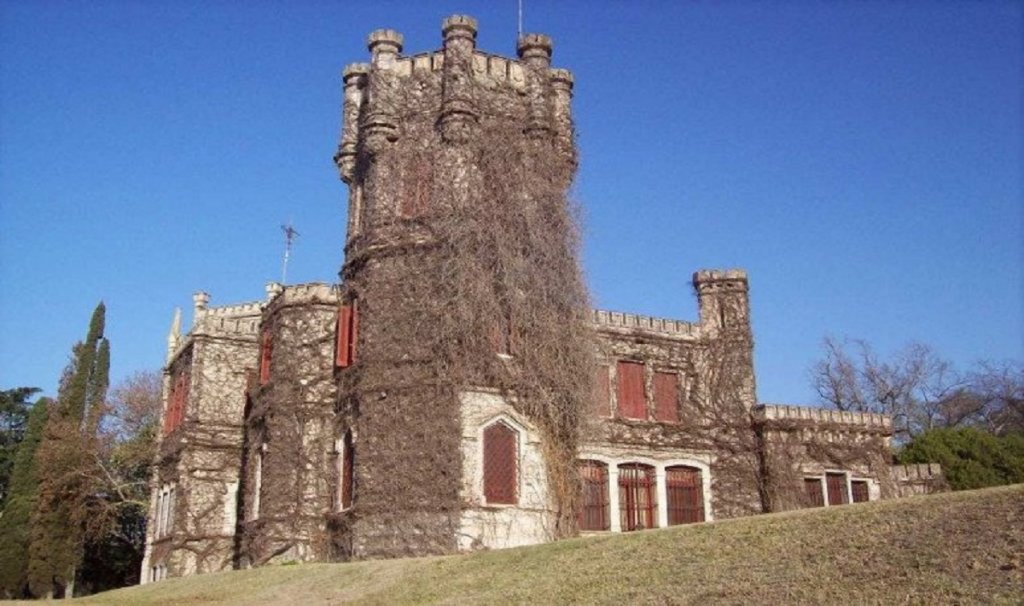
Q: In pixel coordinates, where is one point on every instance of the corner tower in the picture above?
(460, 276)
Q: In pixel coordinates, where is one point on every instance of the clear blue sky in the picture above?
(862, 160)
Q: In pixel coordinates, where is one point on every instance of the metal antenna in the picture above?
(289, 237)
(519, 30)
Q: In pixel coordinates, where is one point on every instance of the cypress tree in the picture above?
(14, 525)
(65, 460)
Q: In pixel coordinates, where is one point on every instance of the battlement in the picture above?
(617, 319)
(920, 472)
(706, 280)
(784, 412)
(310, 293)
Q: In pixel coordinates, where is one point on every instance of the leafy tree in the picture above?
(14, 524)
(66, 457)
(970, 457)
(14, 413)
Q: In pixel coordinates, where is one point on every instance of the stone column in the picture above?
(661, 487)
(614, 517)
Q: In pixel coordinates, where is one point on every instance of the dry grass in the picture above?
(965, 547)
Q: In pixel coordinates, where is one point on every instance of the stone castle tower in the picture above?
(456, 391)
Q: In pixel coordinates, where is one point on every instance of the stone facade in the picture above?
(279, 446)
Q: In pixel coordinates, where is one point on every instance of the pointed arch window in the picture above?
(501, 464)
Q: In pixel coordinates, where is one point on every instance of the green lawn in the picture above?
(965, 547)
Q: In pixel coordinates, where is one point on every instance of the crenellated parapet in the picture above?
(783, 415)
(311, 293)
(619, 322)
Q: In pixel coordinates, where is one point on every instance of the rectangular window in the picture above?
(418, 180)
(860, 491)
(602, 392)
(637, 502)
(685, 495)
(630, 392)
(813, 496)
(266, 352)
(594, 507)
(666, 397)
(836, 485)
(346, 462)
(177, 400)
(347, 335)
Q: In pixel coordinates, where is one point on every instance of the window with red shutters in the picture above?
(666, 397)
(859, 488)
(177, 402)
(685, 495)
(637, 497)
(266, 351)
(347, 335)
(501, 468)
(602, 392)
(813, 495)
(419, 179)
(594, 506)
(630, 392)
(836, 485)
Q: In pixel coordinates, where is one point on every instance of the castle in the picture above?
(455, 391)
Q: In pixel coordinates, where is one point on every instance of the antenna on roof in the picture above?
(289, 236)
(519, 30)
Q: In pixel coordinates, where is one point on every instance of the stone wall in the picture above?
(289, 428)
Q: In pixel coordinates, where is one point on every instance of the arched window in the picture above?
(594, 501)
(685, 495)
(501, 465)
(637, 496)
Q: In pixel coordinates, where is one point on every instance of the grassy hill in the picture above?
(956, 547)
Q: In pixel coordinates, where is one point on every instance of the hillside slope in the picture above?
(956, 547)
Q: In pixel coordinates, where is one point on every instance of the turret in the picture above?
(723, 299)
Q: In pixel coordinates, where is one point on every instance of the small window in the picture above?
(602, 392)
(347, 333)
(685, 490)
(836, 485)
(501, 464)
(177, 402)
(594, 505)
(419, 180)
(501, 336)
(630, 392)
(266, 352)
(345, 462)
(637, 496)
(859, 488)
(666, 397)
(813, 495)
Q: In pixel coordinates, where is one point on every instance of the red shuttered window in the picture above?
(666, 397)
(859, 488)
(685, 495)
(501, 468)
(602, 392)
(177, 402)
(813, 496)
(637, 497)
(836, 485)
(266, 353)
(630, 392)
(594, 507)
(347, 335)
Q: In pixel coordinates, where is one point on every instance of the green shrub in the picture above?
(970, 458)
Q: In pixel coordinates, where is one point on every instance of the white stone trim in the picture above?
(661, 486)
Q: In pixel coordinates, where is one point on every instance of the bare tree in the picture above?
(919, 389)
